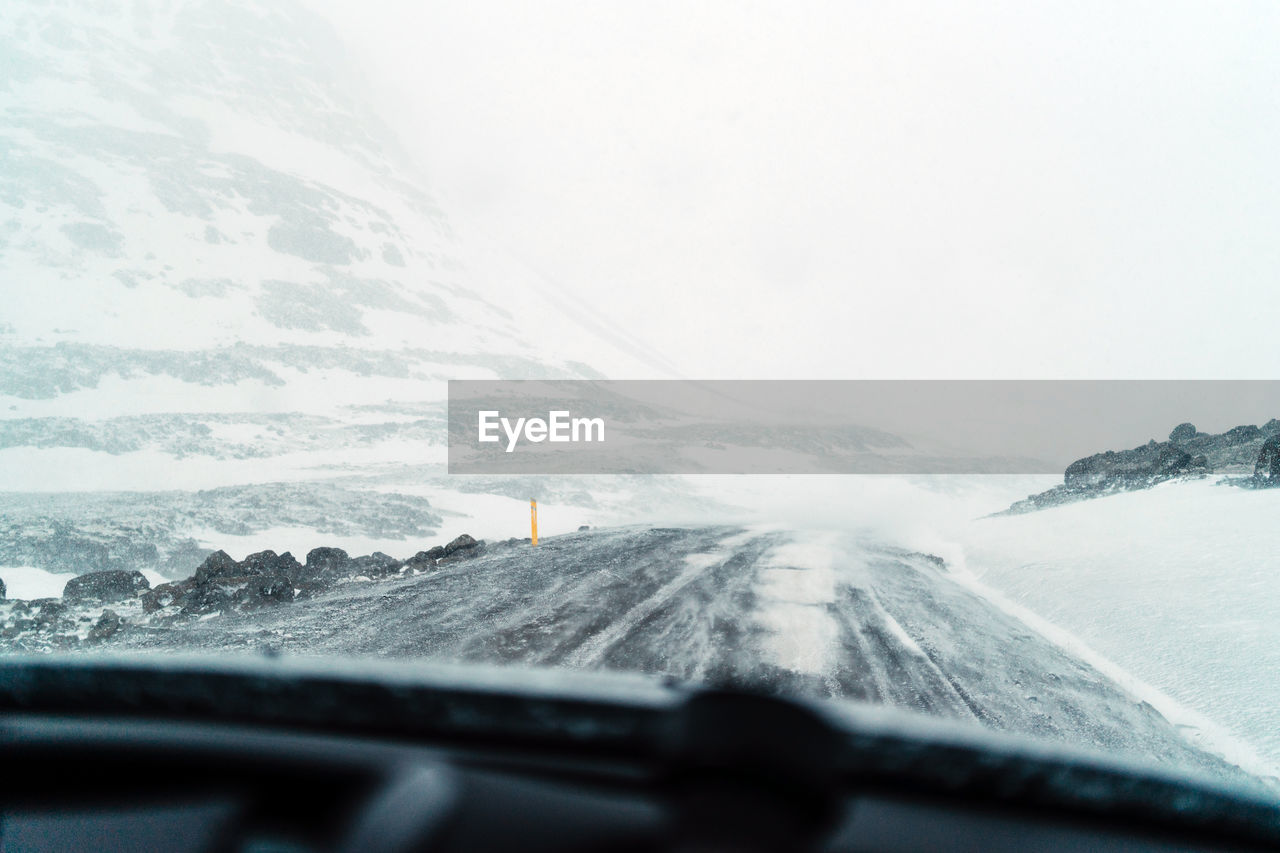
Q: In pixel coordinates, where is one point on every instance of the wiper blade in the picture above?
(821, 751)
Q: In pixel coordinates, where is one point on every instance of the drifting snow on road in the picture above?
(821, 615)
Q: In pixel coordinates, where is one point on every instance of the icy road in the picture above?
(820, 615)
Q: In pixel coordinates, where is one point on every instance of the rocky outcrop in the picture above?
(1138, 468)
(1187, 453)
(326, 562)
(424, 560)
(462, 543)
(220, 584)
(108, 624)
(218, 565)
(1266, 470)
(462, 548)
(165, 594)
(270, 564)
(111, 585)
(376, 565)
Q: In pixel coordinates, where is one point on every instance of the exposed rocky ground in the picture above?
(97, 605)
(1248, 455)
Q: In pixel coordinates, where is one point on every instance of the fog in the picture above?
(760, 190)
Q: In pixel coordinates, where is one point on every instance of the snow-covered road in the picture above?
(818, 614)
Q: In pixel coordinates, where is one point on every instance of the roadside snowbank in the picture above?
(1174, 592)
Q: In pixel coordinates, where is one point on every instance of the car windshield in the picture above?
(911, 355)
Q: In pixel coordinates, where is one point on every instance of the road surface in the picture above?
(819, 614)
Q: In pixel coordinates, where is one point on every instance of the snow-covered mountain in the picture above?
(196, 192)
(220, 271)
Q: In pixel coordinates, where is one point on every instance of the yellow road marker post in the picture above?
(533, 519)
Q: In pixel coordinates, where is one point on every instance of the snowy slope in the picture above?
(219, 270)
(1178, 585)
(199, 214)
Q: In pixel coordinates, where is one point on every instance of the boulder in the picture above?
(463, 543)
(326, 563)
(203, 598)
(217, 565)
(265, 590)
(1126, 469)
(1241, 434)
(376, 565)
(111, 585)
(582, 528)
(269, 564)
(2, 588)
(47, 611)
(107, 625)
(1266, 471)
(1183, 432)
(162, 596)
(424, 560)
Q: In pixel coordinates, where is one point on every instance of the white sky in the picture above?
(865, 189)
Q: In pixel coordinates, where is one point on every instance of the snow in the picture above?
(28, 582)
(1174, 591)
(1171, 592)
(797, 587)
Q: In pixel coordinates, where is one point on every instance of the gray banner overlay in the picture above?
(827, 427)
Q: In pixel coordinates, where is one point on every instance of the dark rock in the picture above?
(263, 590)
(107, 625)
(1271, 427)
(16, 628)
(583, 528)
(111, 585)
(165, 594)
(326, 563)
(1183, 432)
(376, 565)
(1241, 434)
(462, 543)
(2, 588)
(204, 598)
(268, 563)
(217, 565)
(47, 612)
(1140, 467)
(310, 589)
(1266, 471)
(435, 552)
(424, 560)
(1236, 447)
